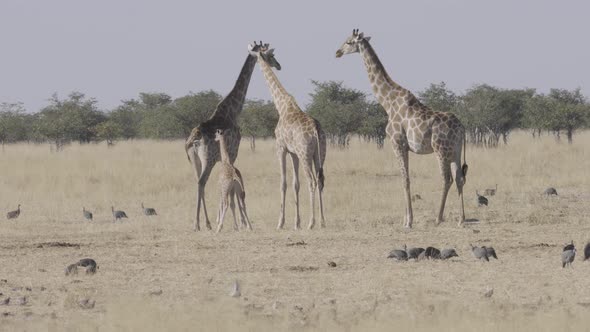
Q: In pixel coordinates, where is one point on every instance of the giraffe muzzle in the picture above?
(339, 53)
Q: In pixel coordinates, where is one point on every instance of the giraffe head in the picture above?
(262, 51)
(351, 45)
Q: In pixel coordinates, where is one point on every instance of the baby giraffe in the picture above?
(231, 183)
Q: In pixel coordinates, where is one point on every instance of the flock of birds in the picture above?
(117, 214)
(483, 200)
(433, 253)
(481, 253)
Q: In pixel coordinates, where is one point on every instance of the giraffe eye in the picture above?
(349, 43)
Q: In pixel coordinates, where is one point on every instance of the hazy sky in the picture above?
(114, 49)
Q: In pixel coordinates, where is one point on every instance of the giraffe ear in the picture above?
(367, 38)
(360, 35)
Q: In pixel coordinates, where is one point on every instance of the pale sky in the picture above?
(114, 49)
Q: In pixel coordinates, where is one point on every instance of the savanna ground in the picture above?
(157, 274)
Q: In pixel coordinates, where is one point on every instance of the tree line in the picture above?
(488, 113)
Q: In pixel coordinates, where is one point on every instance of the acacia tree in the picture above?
(373, 124)
(339, 109)
(258, 119)
(71, 119)
(439, 98)
(15, 124)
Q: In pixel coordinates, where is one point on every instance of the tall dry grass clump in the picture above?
(156, 274)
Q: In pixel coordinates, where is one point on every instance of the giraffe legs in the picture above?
(232, 206)
(295, 161)
(318, 166)
(403, 161)
(312, 184)
(204, 177)
(282, 160)
(460, 181)
(222, 209)
(242, 207)
(445, 171)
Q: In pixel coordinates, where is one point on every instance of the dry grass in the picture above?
(291, 286)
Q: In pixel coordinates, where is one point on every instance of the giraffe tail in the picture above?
(464, 167)
(319, 165)
(241, 182)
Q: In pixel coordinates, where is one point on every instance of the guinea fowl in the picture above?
(13, 214)
(87, 214)
(118, 214)
(491, 191)
(481, 200)
(550, 191)
(399, 254)
(148, 211)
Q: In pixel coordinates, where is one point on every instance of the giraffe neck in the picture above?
(237, 95)
(223, 150)
(390, 95)
(278, 92)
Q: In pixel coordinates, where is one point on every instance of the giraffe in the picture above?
(414, 127)
(298, 135)
(201, 148)
(231, 184)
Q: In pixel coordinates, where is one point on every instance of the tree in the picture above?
(258, 119)
(489, 113)
(373, 124)
(559, 110)
(70, 119)
(195, 108)
(109, 131)
(438, 98)
(571, 111)
(15, 124)
(338, 109)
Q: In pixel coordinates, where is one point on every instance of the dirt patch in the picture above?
(299, 268)
(58, 245)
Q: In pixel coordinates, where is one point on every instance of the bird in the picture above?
(448, 253)
(432, 253)
(86, 303)
(567, 257)
(480, 253)
(491, 192)
(236, 290)
(148, 211)
(491, 252)
(416, 197)
(414, 252)
(489, 293)
(587, 251)
(87, 214)
(481, 200)
(117, 215)
(85, 262)
(550, 191)
(13, 214)
(569, 246)
(399, 254)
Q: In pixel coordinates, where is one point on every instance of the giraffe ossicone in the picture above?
(414, 127)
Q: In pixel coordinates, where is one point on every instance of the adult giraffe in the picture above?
(298, 135)
(202, 149)
(413, 126)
